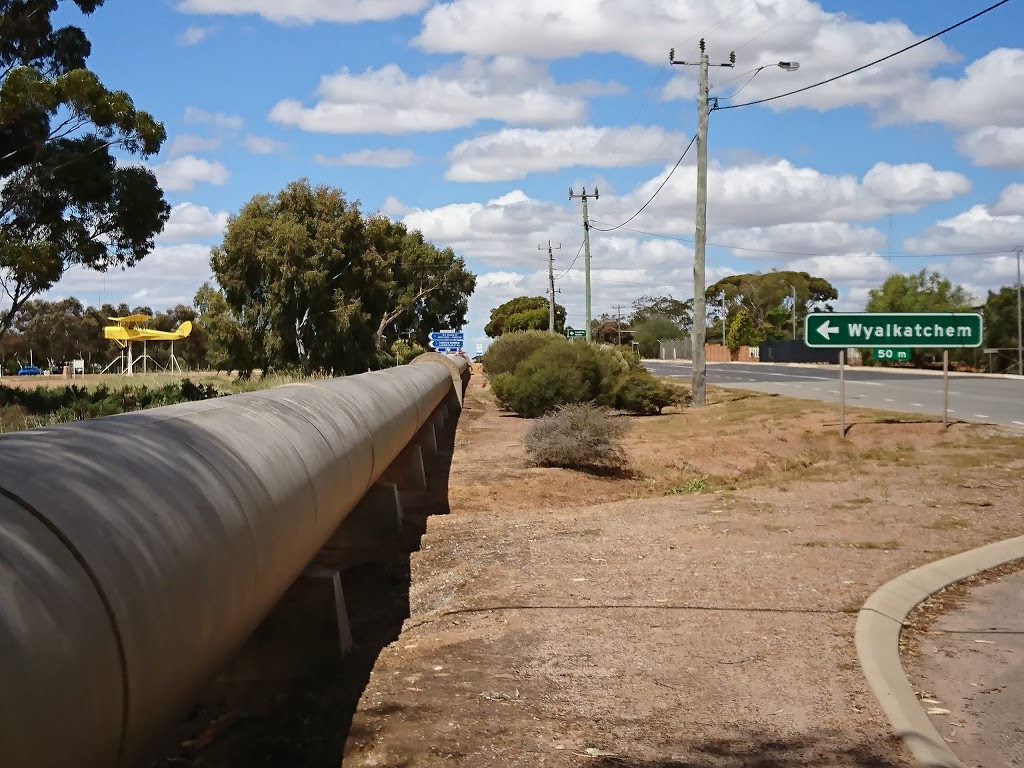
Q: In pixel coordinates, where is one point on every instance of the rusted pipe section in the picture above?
(138, 552)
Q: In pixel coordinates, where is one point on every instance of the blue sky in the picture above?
(471, 120)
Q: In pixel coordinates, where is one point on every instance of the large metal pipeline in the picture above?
(138, 552)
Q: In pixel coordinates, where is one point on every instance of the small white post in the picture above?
(945, 389)
(842, 394)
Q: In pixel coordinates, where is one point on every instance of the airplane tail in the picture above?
(184, 329)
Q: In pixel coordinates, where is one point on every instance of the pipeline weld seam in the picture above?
(104, 601)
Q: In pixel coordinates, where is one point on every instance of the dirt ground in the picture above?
(699, 612)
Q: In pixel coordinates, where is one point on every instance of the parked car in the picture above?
(29, 370)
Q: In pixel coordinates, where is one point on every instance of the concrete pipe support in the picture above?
(138, 552)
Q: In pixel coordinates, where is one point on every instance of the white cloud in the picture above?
(768, 193)
(1011, 201)
(307, 11)
(183, 173)
(189, 221)
(793, 30)
(389, 101)
(194, 35)
(188, 144)
(167, 276)
(991, 92)
(220, 119)
(865, 269)
(975, 230)
(815, 237)
(516, 152)
(983, 274)
(260, 145)
(994, 147)
(914, 183)
(379, 158)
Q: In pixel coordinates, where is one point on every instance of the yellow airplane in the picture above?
(127, 330)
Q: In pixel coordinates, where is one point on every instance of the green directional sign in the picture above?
(890, 355)
(893, 329)
(573, 333)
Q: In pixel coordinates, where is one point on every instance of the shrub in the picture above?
(640, 393)
(577, 436)
(554, 375)
(510, 349)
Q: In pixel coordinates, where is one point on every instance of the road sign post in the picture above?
(884, 331)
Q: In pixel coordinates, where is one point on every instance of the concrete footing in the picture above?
(372, 531)
(407, 471)
(307, 633)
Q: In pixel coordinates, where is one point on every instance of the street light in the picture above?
(699, 382)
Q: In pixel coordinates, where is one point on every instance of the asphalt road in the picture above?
(972, 663)
(989, 399)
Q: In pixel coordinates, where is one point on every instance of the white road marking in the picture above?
(1019, 423)
(917, 405)
(889, 400)
(980, 416)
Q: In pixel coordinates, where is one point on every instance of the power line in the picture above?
(871, 64)
(566, 272)
(661, 187)
(689, 241)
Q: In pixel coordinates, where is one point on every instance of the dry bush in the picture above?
(577, 436)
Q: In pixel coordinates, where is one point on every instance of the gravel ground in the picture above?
(549, 627)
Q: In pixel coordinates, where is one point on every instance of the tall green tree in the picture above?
(1001, 330)
(679, 313)
(228, 346)
(309, 282)
(768, 299)
(648, 333)
(524, 313)
(742, 332)
(65, 199)
(920, 292)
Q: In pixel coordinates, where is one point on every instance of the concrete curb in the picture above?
(877, 638)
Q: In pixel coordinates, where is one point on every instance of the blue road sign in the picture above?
(447, 341)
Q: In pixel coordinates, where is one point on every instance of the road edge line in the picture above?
(877, 637)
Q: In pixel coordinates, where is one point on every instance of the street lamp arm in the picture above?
(788, 66)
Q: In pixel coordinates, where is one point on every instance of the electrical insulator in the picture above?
(732, 57)
(702, 45)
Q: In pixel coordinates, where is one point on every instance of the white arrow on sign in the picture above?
(826, 330)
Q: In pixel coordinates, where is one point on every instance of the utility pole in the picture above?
(699, 382)
(586, 243)
(618, 321)
(1020, 321)
(551, 285)
(700, 237)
